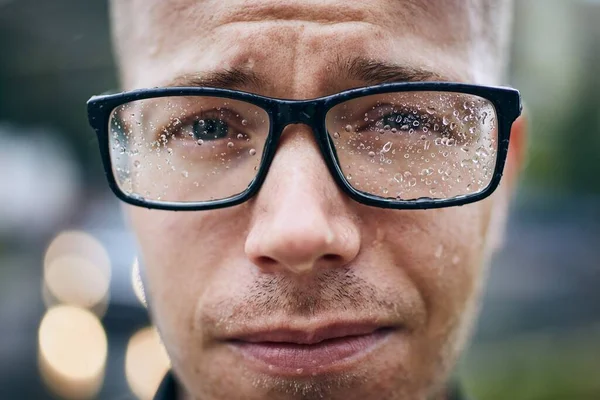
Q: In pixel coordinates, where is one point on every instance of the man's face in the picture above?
(241, 295)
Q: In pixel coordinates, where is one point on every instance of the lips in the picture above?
(283, 351)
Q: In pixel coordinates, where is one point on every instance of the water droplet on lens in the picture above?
(348, 128)
(386, 147)
(185, 174)
(371, 154)
(452, 126)
(230, 144)
(430, 110)
(483, 117)
(200, 142)
(240, 136)
(252, 152)
(381, 170)
(137, 163)
(412, 182)
(336, 135)
(445, 121)
(399, 178)
(244, 122)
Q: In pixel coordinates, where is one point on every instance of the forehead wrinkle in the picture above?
(405, 17)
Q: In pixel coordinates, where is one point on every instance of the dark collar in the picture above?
(168, 390)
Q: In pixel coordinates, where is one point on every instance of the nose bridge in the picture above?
(298, 112)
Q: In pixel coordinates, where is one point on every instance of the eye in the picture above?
(401, 121)
(396, 120)
(209, 129)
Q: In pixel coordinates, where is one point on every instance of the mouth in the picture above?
(310, 352)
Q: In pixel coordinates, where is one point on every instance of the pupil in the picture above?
(211, 129)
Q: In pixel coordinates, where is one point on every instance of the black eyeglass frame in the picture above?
(282, 112)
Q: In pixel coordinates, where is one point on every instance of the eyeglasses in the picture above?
(401, 145)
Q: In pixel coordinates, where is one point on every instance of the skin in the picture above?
(301, 253)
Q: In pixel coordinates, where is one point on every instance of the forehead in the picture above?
(159, 40)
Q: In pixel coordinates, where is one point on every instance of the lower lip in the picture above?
(303, 359)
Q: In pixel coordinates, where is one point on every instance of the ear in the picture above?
(517, 150)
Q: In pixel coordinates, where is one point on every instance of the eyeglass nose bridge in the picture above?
(297, 112)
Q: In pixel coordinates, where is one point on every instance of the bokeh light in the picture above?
(77, 271)
(146, 363)
(72, 352)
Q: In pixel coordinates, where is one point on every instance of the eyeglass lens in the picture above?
(404, 145)
(413, 145)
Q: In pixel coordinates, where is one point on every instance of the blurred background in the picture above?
(73, 324)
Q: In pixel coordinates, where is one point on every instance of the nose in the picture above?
(301, 221)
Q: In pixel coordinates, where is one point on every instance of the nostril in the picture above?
(332, 258)
(265, 261)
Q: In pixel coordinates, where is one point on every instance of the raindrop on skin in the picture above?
(439, 251)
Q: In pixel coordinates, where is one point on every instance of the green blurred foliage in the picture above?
(560, 366)
(555, 64)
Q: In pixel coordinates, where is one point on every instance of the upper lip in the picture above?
(309, 335)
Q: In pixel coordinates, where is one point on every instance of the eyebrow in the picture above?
(373, 72)
(233, 78)
(367, 71)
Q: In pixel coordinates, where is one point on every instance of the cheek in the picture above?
(183, 254)
(441, 252)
